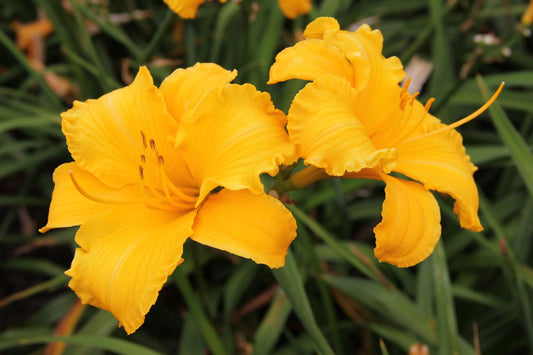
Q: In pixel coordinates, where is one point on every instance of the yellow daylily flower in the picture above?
(353, 120)
(146, 163)
(527, 16)
(290, 8)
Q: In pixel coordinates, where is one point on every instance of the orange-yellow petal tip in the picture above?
(321, 25)
(184, 8)
(527, 17)
(294, 8)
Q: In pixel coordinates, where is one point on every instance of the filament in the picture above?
(462, 121)
(102, 199)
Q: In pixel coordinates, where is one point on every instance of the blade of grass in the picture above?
(332, 242)
(113, 31)
(443, 77)
(272, 325)
(523, 241)
(191, 341)
(519, 149)
(52, 101)
(226, 15)
(514, 273)
(158, 36)
(197, 311)
(236, 285)
(446, 319)
(119, 346)
(49, 285)
(390, 304)
(290, 281)
(305, 248)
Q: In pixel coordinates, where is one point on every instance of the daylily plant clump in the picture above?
(155, 166)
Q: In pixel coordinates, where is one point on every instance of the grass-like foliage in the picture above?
(473, 295)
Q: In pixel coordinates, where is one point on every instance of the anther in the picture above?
(414, 97)
(141, 172)
(429, 103)
(143, 137)
(161, 160)
(405, 86)
(152, 144)
(143, 158)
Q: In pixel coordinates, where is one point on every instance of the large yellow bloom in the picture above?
(148, 165)
(290, 8)
(354, 120)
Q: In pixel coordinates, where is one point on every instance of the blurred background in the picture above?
(472, 296)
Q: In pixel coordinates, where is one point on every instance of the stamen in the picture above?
(152, 144)
(141, 172)
(414, 97)
(429, 103)
(462, 121)
(143, 137)
(403, 101)
(405, 86)
(150, 202)
(102, 199)
(161, 160)
(158, 201)
(169, 186)
(143, 158)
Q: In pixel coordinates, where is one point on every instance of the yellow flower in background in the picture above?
(148, 166)
(290, 8)
(354, 120)
(527, 17)
(294, 8)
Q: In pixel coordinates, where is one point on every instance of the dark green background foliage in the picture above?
(473, 294)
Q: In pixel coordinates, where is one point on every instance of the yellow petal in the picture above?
(294, 8)
(126, 254)
(326, 131)
(253, 226)
(404, 117)
(372, 70)
(309, 60)
(69, 207)
(441, 163)
(108, 137)
(234, 135)
(184, 8)
(410, 228)
(527, 17)
(320, 26)
(184, 88)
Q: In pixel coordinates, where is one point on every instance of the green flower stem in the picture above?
(301, 179)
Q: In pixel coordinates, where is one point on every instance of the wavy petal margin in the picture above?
(185, 88)
(410, 228)
(126, 254)
(234, 135)
(327, 132)
(309, 60)
(440, 162)
(253, 226)
(321, 27)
